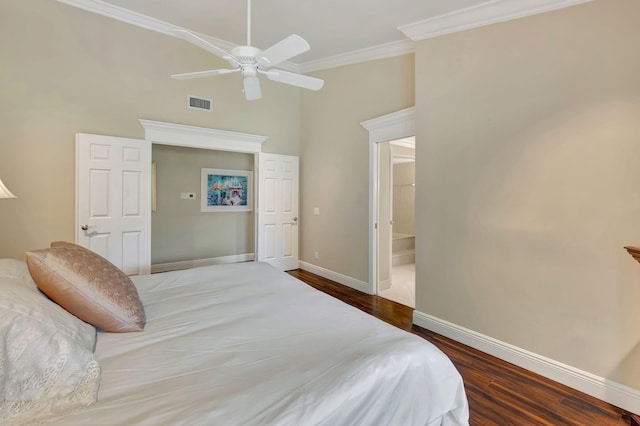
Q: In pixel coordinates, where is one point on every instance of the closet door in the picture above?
(278, 210)
(113, 200)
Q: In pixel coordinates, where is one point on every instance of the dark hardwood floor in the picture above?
(499, 393)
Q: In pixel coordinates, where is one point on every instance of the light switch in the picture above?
(316, 211)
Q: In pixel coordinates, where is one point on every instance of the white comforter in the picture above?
(245, 344)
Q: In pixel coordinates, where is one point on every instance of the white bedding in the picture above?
(246, 344)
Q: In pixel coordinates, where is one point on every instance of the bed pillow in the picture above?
(47, 366)
(87, 285)
(16, 271)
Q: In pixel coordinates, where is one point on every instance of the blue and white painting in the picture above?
(226, 190)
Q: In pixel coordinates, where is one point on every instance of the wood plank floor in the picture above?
(499, 393)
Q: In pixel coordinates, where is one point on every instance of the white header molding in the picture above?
(201, 137)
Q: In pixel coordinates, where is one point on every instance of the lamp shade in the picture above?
(4, 192)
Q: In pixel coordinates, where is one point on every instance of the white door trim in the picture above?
(162, 133)
(397, 125)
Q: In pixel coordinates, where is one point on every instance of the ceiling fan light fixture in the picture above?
(252, 90)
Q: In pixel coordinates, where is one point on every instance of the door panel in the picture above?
(132, 197)
(269, 244)
(131, 248)
(287, 231)
(99, 187)
(278, 210)
(99, 243)
(113, 197)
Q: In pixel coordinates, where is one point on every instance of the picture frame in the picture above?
(225, 190)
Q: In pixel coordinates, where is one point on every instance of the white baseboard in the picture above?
(187, 264)
(384, 285)
(606, 390)
(334, 276)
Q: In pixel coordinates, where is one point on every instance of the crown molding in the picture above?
(387, 50)
(108, 10)
(487, 13)
(122, 14)
(134, 18)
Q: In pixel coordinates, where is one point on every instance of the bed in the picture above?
(246, 344)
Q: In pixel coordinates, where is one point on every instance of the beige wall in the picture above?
(528, 142)
(65, 70)
(335, 158)
(179, 230)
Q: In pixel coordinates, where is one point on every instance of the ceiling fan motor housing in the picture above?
(245, 54)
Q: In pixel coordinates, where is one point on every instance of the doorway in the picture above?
(179, 226)
(396, 241)
(396, 125)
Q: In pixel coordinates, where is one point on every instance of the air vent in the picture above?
(200, 103)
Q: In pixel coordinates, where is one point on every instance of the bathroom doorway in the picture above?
(397, 209)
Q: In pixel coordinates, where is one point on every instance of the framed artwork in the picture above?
(226, 190)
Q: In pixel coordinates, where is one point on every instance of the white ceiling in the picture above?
(330, 26)
(333, 28)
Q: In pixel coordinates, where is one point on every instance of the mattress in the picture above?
(246, 344)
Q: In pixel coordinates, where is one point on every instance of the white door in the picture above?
(278, 210)
(113, 200)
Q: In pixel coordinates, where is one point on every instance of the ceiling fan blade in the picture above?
(198, 74)
(283, 50)
(294, 79)
(201, 43)
(252, 88)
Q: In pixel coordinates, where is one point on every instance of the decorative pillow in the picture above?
(87, 285)
(47, 365)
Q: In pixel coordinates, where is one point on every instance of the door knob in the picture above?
(295, 219)
(86, 227)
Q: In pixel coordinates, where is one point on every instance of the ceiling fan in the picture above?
(251, 61)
